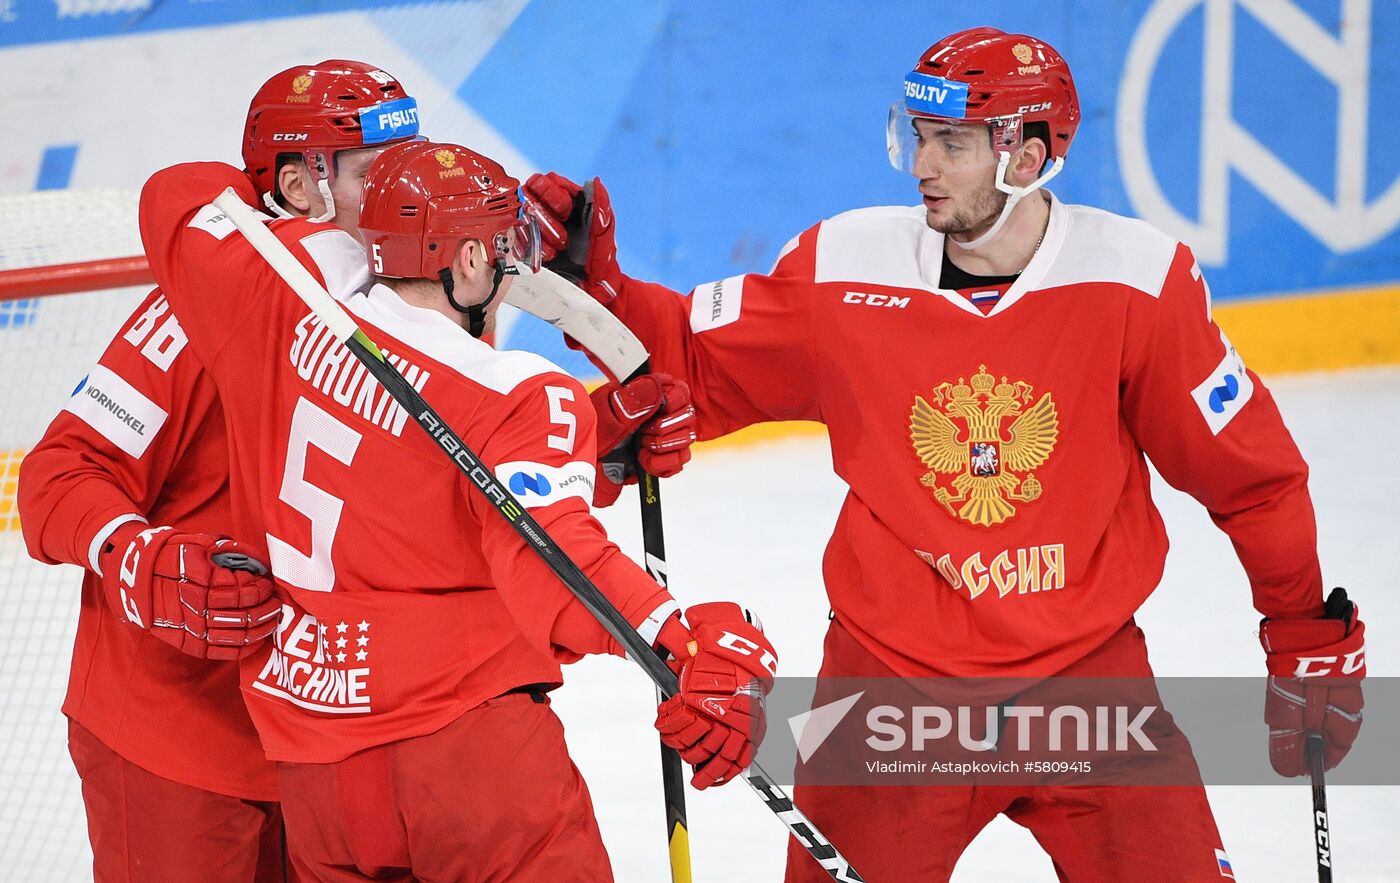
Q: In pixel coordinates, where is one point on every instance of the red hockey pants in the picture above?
(148, 829)
(491, 796)
(1147, 834)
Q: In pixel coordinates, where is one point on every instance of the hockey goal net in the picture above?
(70, 272)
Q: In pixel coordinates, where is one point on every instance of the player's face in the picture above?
(347, 187)
(956, 168)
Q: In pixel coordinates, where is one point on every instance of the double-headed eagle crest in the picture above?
(965, 435)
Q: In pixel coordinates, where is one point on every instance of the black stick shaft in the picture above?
(1322, 825)
(672, 768)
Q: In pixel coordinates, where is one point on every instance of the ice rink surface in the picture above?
(749, 524)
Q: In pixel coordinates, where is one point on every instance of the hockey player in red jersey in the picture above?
(131, 482)
(994, 368)
(161, 739)
(404, 698)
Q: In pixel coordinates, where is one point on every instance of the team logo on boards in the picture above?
(982, 440)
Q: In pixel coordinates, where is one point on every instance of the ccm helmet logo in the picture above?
(875, 300)
(1032, 108)
(289, 136)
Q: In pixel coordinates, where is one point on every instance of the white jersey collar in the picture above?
(931, 263)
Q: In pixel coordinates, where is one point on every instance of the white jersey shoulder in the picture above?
(875, 246)
(341, 259)
(339, 256)
(439, 338)
(869, 246)
(1100, 246)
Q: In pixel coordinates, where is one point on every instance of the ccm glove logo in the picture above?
(1351, 664)
(126, 574)
(745, 647)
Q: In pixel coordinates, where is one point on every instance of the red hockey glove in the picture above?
(726, 668)
(198, 592)
(593, 259)
(1315, 672)
(658, 411)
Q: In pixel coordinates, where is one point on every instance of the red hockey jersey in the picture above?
(409, 599)
(999, 520)
(143, 436)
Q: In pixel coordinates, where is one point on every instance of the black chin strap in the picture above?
(476, 313)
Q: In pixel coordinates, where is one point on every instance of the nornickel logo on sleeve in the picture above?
(538, 484)
(117, 410)
(1221, 395)
(716, 304)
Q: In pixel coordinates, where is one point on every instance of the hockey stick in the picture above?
(554, 299)
(340, 323)
(1322, 830)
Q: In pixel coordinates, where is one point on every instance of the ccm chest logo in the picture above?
(871, 299)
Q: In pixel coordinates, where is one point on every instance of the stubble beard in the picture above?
(984, 208)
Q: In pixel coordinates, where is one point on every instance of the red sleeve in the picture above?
(745, 344)
(193, 250)
(1213, 430)
(543, 451)
(110, 452)
(214, 278)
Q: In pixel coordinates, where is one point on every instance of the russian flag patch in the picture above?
(1223, 861)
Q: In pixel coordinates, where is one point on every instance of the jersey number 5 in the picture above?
(311, 426)
(557, 395)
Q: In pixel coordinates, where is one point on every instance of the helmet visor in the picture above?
(519, 244)
(918, 144)
(925, 97)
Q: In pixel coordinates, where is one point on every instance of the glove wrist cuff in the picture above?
(1314, 648)
(654, 628)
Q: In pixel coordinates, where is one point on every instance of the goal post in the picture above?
(73, 278)
(71, 270)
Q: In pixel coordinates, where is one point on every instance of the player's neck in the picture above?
(426, 294)
(1008, 252)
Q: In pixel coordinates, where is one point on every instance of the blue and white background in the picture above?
(1264, 132)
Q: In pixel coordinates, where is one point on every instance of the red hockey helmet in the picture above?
(316, 110)
(422, 199)
(993, 78)
(988, 76)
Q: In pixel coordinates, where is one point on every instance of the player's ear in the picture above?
(1028, 162)
(463, 259)
(468, 261)
(292, 182)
